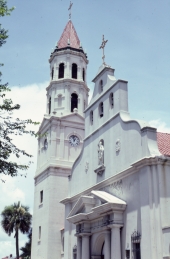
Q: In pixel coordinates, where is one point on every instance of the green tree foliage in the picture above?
(26, 250)
(16, 218)
(8, 125)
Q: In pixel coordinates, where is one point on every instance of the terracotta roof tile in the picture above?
(163, 140)
(70, 34)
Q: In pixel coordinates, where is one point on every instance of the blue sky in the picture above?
(138, 34)
(138, 48)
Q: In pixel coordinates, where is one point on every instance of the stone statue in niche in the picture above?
(101, 153)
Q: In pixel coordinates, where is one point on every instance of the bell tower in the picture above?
(60, 142)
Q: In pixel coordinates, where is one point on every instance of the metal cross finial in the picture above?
(102, 47)
(70, 10)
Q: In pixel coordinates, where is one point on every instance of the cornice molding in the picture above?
(58, 170)
(134, 168)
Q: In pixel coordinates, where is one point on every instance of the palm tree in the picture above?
(16, 218)
(26, 250)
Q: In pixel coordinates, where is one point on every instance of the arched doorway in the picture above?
(98, 246)
(102, 251)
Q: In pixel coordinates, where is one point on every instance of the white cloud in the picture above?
(32, 99)
(8, 247)
(160, 125)
(10, 192)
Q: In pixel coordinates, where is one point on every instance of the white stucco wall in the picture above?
(134, 172)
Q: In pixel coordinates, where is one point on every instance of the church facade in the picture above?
(102, 180)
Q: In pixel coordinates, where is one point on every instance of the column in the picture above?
(107, 248)
(56, 73)
(79, 73)
(115, 242)
(78, 247)
(85, 247)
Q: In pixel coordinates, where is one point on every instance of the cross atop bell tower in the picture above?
(102, 47)
(70, 6)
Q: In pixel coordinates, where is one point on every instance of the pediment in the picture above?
(74, 117)
(44, 123)
(83, 205)
(91, 207)
(107, 197)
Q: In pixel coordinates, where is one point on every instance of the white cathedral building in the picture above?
(102, 184)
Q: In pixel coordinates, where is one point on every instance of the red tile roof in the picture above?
(163, 140)
(70, 34)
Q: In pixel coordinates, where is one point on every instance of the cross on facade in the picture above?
(70, 6)
(102, 47)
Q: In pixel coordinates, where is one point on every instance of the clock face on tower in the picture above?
(74, 140)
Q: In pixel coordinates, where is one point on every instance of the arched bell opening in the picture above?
(61, 71)
(52, 73)
(74, 101)
(74, 71)
(49, 106)
(83, 75)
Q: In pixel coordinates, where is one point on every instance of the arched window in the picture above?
(111, 99)
(52, 73)
(49, 106)
(91, 117)
(75, 252)
(101, 86)
(61, 71)
(101, 109)
(74, 71)
(74, 101)
(136, 238)
(83, 74)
